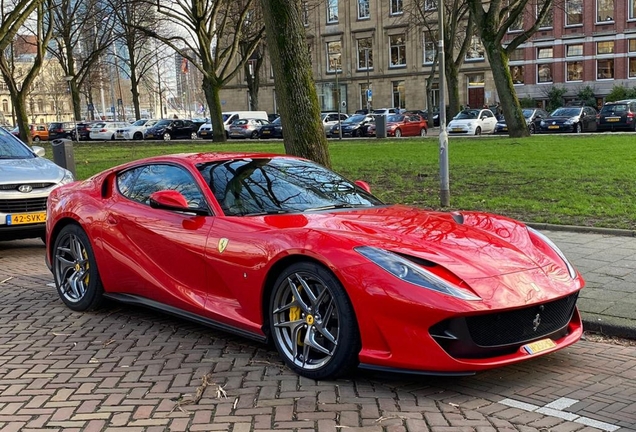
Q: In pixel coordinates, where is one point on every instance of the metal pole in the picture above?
(443, 135)
(366, 55)
(338, 101)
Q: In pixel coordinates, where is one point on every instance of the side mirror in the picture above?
(38, 150)
(363, 185)
(169, 200)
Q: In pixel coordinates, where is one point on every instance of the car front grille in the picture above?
(502, 333)
(23, 205)
(15, 186)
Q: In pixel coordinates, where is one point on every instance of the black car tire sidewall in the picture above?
(94, 295)
(346, 355)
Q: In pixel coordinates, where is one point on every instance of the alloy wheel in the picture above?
(72, 268)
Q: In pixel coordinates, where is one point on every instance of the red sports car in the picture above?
(279, 248)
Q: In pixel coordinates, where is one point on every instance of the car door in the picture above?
(154, 253)
(488, 120)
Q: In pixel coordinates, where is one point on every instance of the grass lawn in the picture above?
(587, 180)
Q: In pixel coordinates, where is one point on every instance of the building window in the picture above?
(574, 12)
(40, 105)
(606, 47)
(397, 7)
(574, 68)
(517, 55)
(631, 46)
(516, 72)
(5, 105)
(604, 10)
(398, 94)
(305, 13)
(548, 20)
(517, 25)
(632, 9)
(365, 54)
(332, 11)
(434, 96)
(398, 51)
(605, 69)
(544, 73)
(544, 52)
(429, 48)
(430, 5)
(334, 55)
(364, 11)
(475, 50)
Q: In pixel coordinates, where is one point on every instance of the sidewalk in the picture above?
(607, 260)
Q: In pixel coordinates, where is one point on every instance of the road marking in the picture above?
(555, 409)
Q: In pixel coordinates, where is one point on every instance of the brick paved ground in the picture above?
(127, 369)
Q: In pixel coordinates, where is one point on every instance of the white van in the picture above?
(205, 131)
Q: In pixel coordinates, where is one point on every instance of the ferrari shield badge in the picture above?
(222, 244)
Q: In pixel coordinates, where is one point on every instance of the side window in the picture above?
(139, 183)
(178, 123)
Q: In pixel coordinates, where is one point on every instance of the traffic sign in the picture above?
(369, 94)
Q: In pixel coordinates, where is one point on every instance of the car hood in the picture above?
(473, 245)
(490, 253)
(29, 171)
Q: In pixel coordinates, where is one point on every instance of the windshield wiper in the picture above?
(334, 206)
(268, 212)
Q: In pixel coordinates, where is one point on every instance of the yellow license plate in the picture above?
(613, 119)
(553, 127)
(539, 346)
(26, 218)
(458, 130)
(504, 128)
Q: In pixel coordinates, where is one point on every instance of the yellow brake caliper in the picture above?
(87, 278)
(294, 315)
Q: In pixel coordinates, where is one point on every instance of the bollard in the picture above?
(380, 126)
(63, 154)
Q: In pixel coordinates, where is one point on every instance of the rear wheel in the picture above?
(166, 137)
(36, 139)
(254, 135)
(423, 132)
(193, 135)
(75, 270)
(112, 137)
(313, 324)
(398, 133)
(478, 131)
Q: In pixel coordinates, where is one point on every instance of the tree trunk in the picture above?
(517, 126)
(134, 89)
(452, 84)
(18, 100)
(304, 135)
(213, 99)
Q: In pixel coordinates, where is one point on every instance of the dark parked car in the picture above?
(353, 126)
(533, 118)
(620, 115)
(575, 119)
(58, 130)
(272, 130)
(83, 131)
(272, 117)
(171, 129)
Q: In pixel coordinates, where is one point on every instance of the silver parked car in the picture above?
(26, 179)
(246, 128)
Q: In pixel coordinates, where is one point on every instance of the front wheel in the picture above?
(138, 136)
(423, 132)
(166, 137)
(75, 270)
(398, 133)
(313, 324)
(193, 135)
(478, 131)
(532, 129)
(36, 139)
(578, 128)
(254, 135)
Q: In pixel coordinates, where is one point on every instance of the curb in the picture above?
(608, 326)
(582, 229)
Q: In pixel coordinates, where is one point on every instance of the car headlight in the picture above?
(469, 124)
(555, 248)
(68, 177)
(542, 123)
(407, 271)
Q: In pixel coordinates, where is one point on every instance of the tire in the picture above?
(423, 132)
(578, 128)
(166, 137)
(254, 135)
(112, 137)
(532, 129)
(398, 133)
(478, 131)
(193, 135)
(314, 346)
(36, 139)
(357, 133)
(138, 136)
(75, 270)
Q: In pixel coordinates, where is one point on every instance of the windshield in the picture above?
(277, 121)
(163, 123)
(527, 113)
(467, 115)
(358, 118)
(270, 186)
(13, 148)
(395, 118)
(140, 122)
(566, 112)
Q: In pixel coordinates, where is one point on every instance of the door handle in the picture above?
(112, 220)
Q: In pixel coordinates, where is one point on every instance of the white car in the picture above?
(472, 122)
(106, 130)
(26, 179)
(136, 130)
(331, 118)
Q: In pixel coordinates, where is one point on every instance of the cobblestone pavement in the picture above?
(128, 369)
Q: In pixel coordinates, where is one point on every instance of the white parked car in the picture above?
(106, 130)
(331, 118)
(136, 130)
(473, 122)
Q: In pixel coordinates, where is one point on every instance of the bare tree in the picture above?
(82, 34)
(493, 19)
(13, 15)
(293, 77)
(20, 83)
(459, 30)
(211, 35)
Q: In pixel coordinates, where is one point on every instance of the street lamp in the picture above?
(443, 136)
(338, 97)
